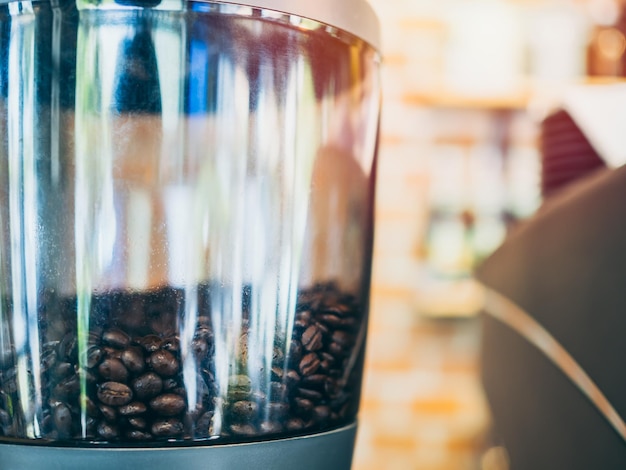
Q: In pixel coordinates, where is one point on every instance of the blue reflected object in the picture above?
(137, 89)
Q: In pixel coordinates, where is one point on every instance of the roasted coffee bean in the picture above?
(339, 401)
(168, 404)
(335, 373)
(205, 424)
(303, 404)
(205, 333)
(204, 321)
(295, 353)
(116, 338)
(325, 365)
(277, 373)
(235, 394)
(170, 384)
(323, 328)
(171, 344)
(95, 335)
(339, 310)
(330, 320)
(326, 356)
(10, 381)
(258, 397)
(74, 407)
(315, 381)
(51, 436)
(246, 430)
(271, 427)
(147, 385)
(91, 429)
(137, 422)
(240, 382)
(138, 435)
(113, 370)
(63, 370)
(349, 323)
(108, 431)
(150, 343)
(63, 420)
(52, 345)
(345, 410)
(243, 348)
(133, 359)
(342, 338)
(167, 427)
(68, 347)
(114, 394)
(208, 376)
(48, 360)
(108, 413)
(163, 363)
(294, 424)
(292, 378)
(133, 408)
(94, 356)
(332, 387)
(309, 364)
(312, 339)
(303, 320)
(196, 412)
(245, 410)
(200, 348)
(278, 356)
(336, 350)
(112, 352)
(92, 408)
(278, 391)
(67, 388)
(313, 395)
(5, 418)
(89, 376)
(46, 424)
(53, 402)
(277, 410)
(321, 413)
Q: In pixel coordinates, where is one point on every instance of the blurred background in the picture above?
(466, 85)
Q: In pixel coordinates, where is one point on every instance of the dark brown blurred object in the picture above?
(565, 268)
(553, 339)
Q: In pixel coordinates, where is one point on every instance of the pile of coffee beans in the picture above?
(132, 379)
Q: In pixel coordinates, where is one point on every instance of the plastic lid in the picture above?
(353, 16)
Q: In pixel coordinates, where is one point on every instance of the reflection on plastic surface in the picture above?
(186, 211)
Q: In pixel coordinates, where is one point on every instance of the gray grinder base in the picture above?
(325, 451)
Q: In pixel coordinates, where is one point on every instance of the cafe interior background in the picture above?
(466, 84)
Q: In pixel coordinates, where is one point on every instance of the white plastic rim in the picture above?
(356, 17)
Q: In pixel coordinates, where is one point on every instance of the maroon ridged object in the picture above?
(566, 153)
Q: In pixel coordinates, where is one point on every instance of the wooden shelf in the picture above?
(518, 99)
(445, 99)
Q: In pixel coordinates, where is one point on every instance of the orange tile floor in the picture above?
(422, 404)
